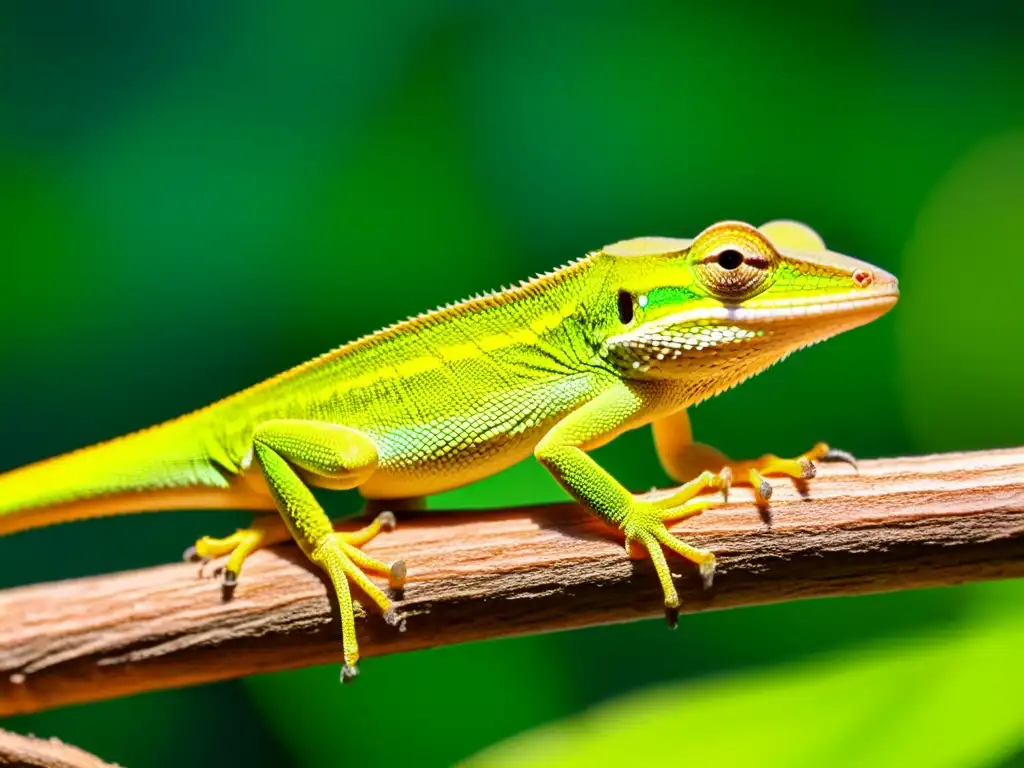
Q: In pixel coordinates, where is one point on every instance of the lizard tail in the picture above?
(164, 467)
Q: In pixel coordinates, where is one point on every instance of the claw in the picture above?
(762, 488)
(387, 521)
(840, 456)
(397, 574)
(228, 582)
(707, 573)
(808, 470)
(725, 474)
(672, 616)
(190, 555)
(349, 672)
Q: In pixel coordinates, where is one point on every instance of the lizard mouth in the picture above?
(799, 309)
(732, 333)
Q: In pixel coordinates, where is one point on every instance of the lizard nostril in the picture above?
(862, 278)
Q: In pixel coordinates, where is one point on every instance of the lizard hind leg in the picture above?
(684, 459)
(267, 530)
(286, 451)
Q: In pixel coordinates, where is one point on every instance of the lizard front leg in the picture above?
(562, 452)
(683, 459)
(341, 457)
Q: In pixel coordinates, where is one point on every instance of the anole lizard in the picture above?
(629, 335)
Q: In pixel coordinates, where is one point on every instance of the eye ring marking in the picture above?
(733, 270)
(733, 260)
(625, 307)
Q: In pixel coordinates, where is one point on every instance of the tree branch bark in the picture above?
(28, 752)
(897, 524)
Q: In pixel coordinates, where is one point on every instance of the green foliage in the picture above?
(198, 195)
(933, 700)
(964, 389)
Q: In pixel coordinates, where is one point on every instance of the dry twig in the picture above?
(28, 752)
(898, 524)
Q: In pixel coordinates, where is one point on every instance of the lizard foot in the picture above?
(645, 528)
(238, 546)
(801, 468)
(645, 522)
(265, 532)
(338, 554)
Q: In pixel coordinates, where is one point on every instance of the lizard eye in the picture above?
(625, 307)
(732, 260)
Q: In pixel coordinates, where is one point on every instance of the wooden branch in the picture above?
(898, 524)
(29, 752)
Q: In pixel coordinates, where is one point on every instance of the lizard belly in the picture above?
(454, 450)
(435, 471)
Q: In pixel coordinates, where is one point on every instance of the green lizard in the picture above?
(629, 335)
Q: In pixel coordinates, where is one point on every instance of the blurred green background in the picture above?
(196, 195)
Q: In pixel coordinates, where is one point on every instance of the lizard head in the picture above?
(732, 301)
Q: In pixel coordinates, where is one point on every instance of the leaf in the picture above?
(950, 699)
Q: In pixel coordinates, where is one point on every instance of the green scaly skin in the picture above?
(629, 335)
